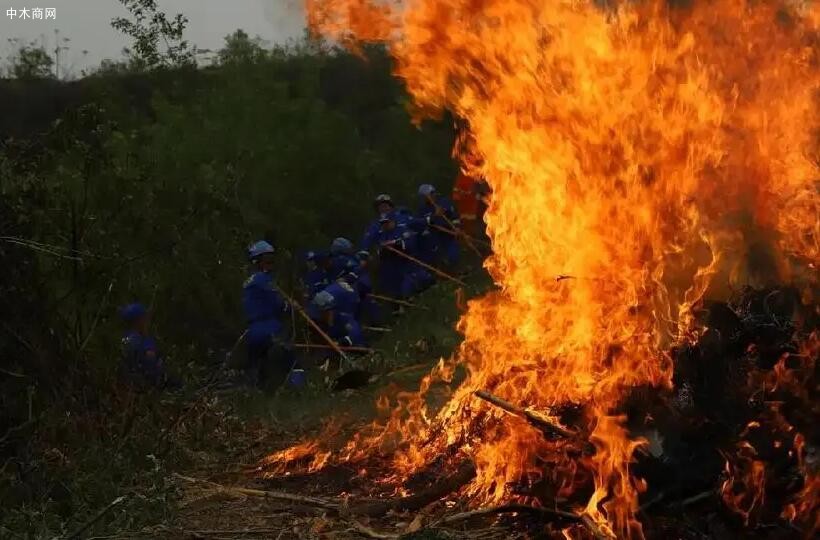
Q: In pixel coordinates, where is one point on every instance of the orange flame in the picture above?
(641, 149)
(744, 489)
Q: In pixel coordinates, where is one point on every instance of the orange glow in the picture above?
(744, 488)
(642, 150)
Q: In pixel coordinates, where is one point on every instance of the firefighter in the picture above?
(142, 364)
(341, 326)
(383, 205)
(318, 275)
(398, 275)
(443, 221)
(270, 356)
(470, 198)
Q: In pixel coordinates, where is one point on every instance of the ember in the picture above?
(655, 154)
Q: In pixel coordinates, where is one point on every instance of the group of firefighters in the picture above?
(410, 248)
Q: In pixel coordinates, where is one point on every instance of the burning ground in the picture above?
(654, 220)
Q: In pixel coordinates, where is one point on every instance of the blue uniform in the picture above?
(315, 280)
(354, 271)
(344, 263)
(347, 298)
(399, 276)
(440, 244)
(141, 359)
(264, 308)
(345, 330)
(370, 239)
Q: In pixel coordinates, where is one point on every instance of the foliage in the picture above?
(30, 61)
(158, 41)
(240, 48)
(150, 187)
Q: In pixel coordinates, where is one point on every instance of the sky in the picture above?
(87, 25)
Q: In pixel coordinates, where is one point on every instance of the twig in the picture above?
(13, 374)
(506, 508)
(35, 247)
(370, 533)
(444, 486)
(96, 317)
(593, 528)
(239, 531)
(697, 498)
(653, 501)
(14, 429)
(278, 495)
(96, 518)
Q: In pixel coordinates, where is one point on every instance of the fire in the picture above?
(641, 150)
(744, 489)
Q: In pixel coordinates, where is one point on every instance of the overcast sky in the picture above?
(87, 24)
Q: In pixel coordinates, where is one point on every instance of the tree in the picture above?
(241, 49)
(158, 42)
(31, 61)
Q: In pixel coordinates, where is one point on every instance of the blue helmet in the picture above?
(316, 255)
(257, 249)
(426, 190)
(383, 198)
(324, 301)
(132, 312)
(341, 245)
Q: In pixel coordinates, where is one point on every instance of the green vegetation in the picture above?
(146, 182)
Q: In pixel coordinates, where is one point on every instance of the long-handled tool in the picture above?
(377, 329)
(433, 269)
(315, 326)
(456, 231)
(320, 346)
(461, 234)
(398, 302)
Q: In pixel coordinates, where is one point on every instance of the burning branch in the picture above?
(535, 419)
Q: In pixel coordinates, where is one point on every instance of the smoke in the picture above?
(286, 16)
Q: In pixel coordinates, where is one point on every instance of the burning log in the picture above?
(379, 507)
(535, 419)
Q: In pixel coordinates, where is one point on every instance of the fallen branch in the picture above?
(96, 518)
(374, 508)
(263, 530)
(509, 508)
(15, 429)
(370, 533)
(697, 498)
(275, 495)
(593, 528)
(537, 420)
